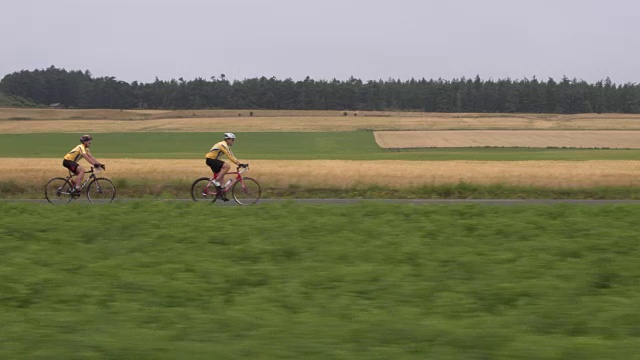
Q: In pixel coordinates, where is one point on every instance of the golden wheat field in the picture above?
(345, 174)
(612, 139)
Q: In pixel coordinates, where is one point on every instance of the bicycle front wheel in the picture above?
(202, 190)
(101, 190)
(246, 191)
(58, 191)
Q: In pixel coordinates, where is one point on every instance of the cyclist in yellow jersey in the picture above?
(213, 158)
(70, 160)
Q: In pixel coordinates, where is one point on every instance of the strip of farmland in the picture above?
(611, 139)
(345, 173)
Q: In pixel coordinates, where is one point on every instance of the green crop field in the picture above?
(357, 145)
(178, 280)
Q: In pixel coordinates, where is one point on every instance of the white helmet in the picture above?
(229, 136)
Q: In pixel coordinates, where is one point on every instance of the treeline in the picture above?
(79, 89)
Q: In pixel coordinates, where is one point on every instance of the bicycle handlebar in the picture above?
(94, 170)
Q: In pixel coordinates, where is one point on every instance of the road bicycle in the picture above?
(99, 189)
(244, 190)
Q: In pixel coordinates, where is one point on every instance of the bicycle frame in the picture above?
(86, 181)
(238, 177)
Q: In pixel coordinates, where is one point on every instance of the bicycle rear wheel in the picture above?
(58, 191)
(202, 191)
(101, 190)
(247, 191)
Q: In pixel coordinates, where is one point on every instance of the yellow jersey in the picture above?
(77, 153)
(219, 149)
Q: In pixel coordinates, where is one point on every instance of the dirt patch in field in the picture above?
(345, 174)
(509, 138)
(100, 121)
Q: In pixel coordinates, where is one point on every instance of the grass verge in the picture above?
(155, 280)
(180, 189)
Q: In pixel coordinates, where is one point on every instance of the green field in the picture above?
(358, 145)
(178, 280)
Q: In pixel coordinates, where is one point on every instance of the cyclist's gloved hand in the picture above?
(243, 165)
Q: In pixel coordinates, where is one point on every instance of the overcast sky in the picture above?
(325, 39)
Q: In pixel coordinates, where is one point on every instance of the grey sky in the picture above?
(367, 39)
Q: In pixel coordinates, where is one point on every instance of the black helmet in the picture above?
(84, 138)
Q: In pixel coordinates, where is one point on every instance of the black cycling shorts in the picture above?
(71, 165)
(215, 165)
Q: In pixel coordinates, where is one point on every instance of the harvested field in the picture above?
(509, 138)
(149, 111)
(117, 114)
(344, 174)
(99, 121)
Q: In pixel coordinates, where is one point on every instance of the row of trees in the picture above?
(79, 89)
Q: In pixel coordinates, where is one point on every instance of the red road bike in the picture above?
(244, 190)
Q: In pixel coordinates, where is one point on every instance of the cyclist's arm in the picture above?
(229, 155)
(90, 159)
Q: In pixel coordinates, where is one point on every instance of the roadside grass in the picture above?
(356, 145)
(156, 280)
(180, 189)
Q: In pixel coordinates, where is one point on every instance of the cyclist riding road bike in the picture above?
(216, 164)
(76, 154)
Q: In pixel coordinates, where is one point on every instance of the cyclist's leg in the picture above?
(216, 166)
(75, 169)
(79, 176)
(223, 171)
